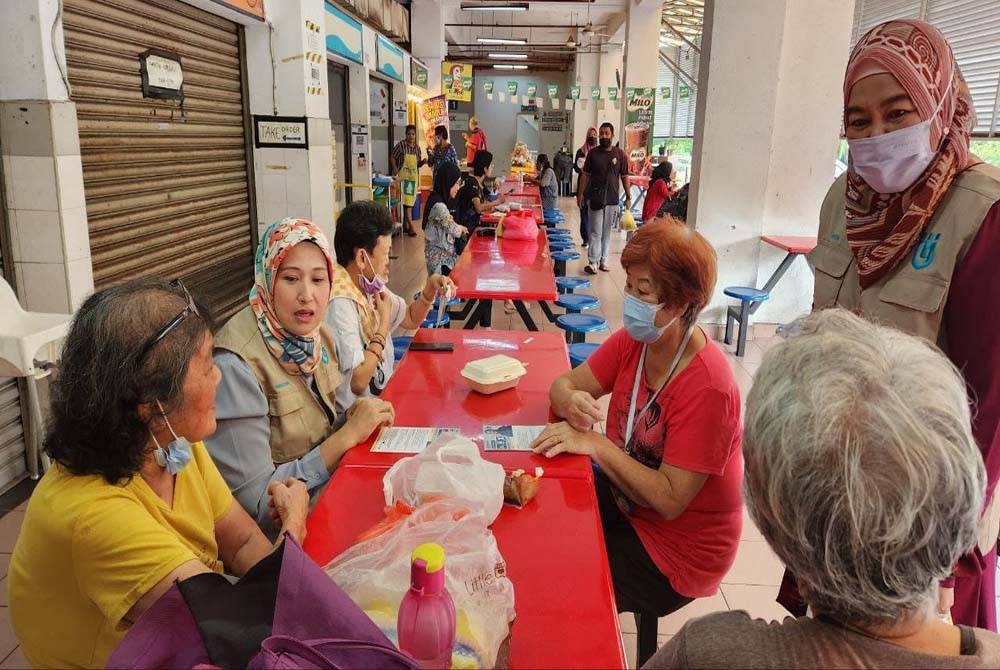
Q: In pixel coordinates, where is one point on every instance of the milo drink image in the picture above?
(636, 141)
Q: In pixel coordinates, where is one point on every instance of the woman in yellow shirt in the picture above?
(132, 502)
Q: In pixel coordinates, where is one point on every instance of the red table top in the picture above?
(793, 244)
(555, 558)
(639, 180)
(499, 269)
(427, 390)
(492, 218)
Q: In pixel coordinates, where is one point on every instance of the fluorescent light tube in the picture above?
(510, 67)
(501, 40)
(510, 7)
(507, 56)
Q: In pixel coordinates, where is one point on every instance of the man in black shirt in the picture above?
(598, 190)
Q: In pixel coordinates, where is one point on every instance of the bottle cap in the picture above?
(431, 554)
(427, 569)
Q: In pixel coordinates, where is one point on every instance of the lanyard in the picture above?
(632, 418)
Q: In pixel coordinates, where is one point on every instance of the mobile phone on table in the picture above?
(432, 346)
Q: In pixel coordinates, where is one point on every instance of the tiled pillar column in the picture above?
(42, 172)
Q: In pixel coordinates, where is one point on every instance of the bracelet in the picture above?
(377, 337)
(372, 352)
(424, 298)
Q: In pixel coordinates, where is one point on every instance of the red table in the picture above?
(498, 269)
(555, 558)
(427, 390)
(794, 245)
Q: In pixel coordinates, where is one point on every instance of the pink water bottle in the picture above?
(426, 621)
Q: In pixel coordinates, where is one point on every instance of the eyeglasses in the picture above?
(173, 323)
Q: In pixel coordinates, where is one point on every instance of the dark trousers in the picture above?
(585, 223)
(639, 584)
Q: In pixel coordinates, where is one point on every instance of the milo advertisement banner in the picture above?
(640, 104)
(456, 81)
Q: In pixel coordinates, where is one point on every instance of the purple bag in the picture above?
(284, 613)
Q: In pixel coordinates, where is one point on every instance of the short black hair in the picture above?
(359, 226)
(543, 162)
(96, 427)
(410, 127)
(609, 125)
(482, 160)
(441, 131)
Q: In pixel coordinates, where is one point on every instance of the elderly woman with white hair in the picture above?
(864, 477)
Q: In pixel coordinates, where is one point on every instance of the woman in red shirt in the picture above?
(659, 190)
(670, 466)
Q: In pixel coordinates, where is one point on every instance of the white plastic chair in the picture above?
(22, 335)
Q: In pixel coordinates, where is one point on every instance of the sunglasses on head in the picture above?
(173, 323)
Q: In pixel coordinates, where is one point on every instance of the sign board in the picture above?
(162, 75)
(280, 132)
(359, 139)
(389, 58)
(343, 35)
(254, 8)
(399, 112)
(418, 74)
(456, 81)
(433, 113)
(639, 115)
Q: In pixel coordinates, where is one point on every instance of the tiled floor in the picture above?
(751, 584)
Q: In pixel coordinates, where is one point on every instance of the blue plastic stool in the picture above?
(429, 322)
(555, 246)
(561, 258)
(748, 297)
(400, 344)
(580, 352)
(553, 235)
(570, 284)
(578, 325)
(574, 303)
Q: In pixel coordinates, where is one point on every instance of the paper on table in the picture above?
(510, 438)
(398, 440)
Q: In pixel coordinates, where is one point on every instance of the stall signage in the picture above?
(162, 75)
(281, 132)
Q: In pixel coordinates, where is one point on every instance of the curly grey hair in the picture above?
(861, 469)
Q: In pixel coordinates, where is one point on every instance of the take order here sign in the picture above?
(284, 132)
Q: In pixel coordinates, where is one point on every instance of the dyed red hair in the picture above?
(681, 262)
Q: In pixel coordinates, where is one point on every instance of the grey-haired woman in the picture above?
(864, 477)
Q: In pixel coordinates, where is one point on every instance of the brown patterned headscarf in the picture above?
(882, 229)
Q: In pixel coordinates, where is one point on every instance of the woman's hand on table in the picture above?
(582, 411)
(365, 415)
(290, 505)
(561, 438)
(439, 285)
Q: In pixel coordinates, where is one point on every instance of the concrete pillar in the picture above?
(766, 134)
(641, 55)
(427, 37)
(291, 182)
(42, 173)
(587, 72)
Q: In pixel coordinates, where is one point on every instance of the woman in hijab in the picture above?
(440, 229)
(909, 237)
(275, 406)
(581, 158)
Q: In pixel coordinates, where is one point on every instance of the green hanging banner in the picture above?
(532, 89)
(664, 93)
(512, 87)
(553, 90)
(488, 86)
(595, 92)
(684, 92)
(612, 93)
(574, 92)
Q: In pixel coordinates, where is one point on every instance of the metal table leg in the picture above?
(529, 323)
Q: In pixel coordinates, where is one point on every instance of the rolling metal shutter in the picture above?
(972, 27)
(675, 117)
(12, 464)
(166, 181)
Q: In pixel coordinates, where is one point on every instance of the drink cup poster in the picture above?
(639, 116)
(456, 80)
(433, 113)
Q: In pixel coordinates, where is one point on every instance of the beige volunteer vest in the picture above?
(298, 422)
(912, 297)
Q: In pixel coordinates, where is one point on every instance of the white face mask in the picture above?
(891, 162)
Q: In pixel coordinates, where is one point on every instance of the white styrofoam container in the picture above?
(493, 374)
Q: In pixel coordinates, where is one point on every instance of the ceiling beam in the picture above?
(518, 25)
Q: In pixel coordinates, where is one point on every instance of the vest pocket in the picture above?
(921, 293)
(283, 403)
(829, 267)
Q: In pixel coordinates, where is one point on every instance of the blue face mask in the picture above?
(176, 454)
(639, 318)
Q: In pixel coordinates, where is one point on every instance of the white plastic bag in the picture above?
(375, 573)
(450, 467)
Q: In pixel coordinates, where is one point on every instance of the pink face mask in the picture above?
(371, 286)
(891, 162)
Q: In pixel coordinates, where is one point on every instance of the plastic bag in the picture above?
(450, 467)
(375, 573)
(520, 225)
